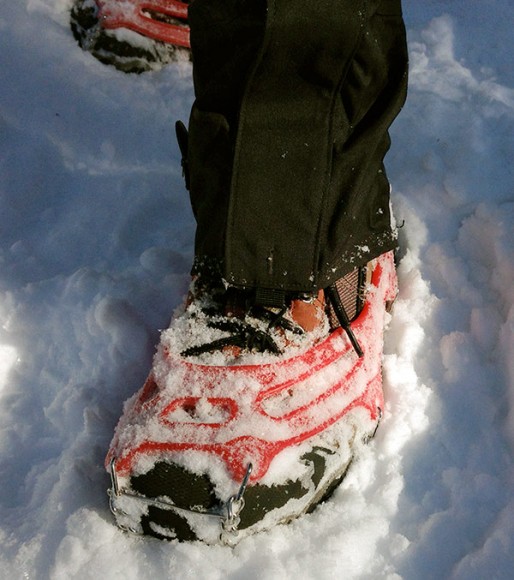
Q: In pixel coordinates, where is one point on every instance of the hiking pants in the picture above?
(288, 133)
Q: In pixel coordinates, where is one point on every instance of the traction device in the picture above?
(164, 20)
(252, 445)
(132, 35)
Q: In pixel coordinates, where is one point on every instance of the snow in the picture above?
(95, 246)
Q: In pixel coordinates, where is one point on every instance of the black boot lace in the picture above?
(244, 334)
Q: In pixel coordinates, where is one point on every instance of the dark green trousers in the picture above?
(288, 134)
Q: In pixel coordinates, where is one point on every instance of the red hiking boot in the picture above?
(132, 35)
(250, 419)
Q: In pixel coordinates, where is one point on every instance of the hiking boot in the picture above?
(220, 444)
(132, 35)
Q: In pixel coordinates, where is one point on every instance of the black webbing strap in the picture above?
(183, 144)
(333, 296)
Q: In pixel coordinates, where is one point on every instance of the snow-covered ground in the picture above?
(95, 246)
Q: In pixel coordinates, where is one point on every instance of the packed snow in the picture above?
(96, 243)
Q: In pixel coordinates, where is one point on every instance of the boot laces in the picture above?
(248, 333)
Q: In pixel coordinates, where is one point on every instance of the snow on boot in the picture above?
(251, 416)
(132, 35)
